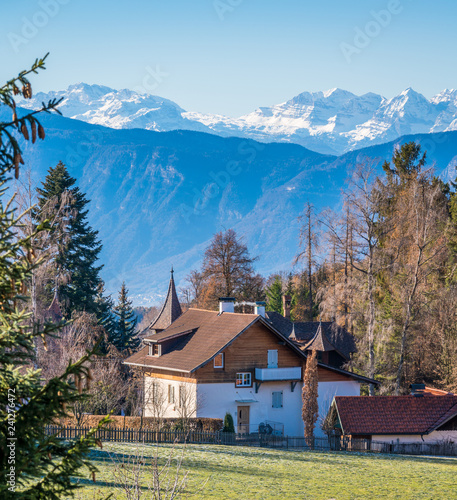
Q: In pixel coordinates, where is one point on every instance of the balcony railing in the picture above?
(269, 374)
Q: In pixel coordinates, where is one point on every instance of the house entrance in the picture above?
(243, 419)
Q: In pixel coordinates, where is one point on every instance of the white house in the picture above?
(208, 363)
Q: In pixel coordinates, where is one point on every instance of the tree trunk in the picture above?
(371, 322)
(310, 263)
(407, 323)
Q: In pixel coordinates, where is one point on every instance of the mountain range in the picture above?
(332, 122)
(158, 197)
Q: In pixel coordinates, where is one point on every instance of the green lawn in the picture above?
(257, 473)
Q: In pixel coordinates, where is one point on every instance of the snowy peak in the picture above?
(333, 121)
(118, 108)
(333, 96)
(445, 96)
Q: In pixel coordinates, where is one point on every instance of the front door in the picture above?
(243, 419)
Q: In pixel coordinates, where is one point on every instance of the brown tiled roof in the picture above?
(208, 333)
(198, 335)
(304, 332)
(394, 414)
(171, 309)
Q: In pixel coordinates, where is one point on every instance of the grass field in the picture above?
(258, 473)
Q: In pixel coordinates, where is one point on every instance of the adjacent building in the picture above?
(425, 416)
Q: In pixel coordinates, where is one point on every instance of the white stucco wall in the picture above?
(433, 437)
(221, 398)
(326, 392)
(218, 399)
(170, 410)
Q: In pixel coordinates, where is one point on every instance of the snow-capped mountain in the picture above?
(118, 108)
(331, 122)
(157, 198)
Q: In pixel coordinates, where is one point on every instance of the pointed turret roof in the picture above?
(320, 342)
(54, 312)
(171, 309)
(292, 334)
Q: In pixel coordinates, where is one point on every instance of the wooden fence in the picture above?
(331, 443)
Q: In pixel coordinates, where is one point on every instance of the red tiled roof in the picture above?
(394, 414)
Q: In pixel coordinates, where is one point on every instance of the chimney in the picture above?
(417, 390)
(226, 305)
(260, 308)
(286, 302)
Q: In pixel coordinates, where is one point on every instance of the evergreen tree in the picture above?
(407, 162)
(125, 336)
(274, 296)
(106, 317)
(76, 273)
(228, 423)
(33, 465)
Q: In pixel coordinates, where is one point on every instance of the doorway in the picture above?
(243, 419)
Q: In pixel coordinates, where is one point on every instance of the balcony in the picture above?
(273, 374)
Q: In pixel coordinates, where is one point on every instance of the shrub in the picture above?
(228, 423)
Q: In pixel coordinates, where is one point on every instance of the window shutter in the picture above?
(273, 359)
(277, 399)
(171, 394)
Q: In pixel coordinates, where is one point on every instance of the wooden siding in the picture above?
(247, 352)
(168, 375)
(330, 376)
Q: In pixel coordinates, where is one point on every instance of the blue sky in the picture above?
(231, 56)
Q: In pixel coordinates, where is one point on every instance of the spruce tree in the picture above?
(77, 275)
(274, 296)
(125, 336)
(106, 317)
(33, 464)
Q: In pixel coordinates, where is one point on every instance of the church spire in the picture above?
(171, 309)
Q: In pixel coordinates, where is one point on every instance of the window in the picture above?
(153, 392)
(219, 361)
(243, 380)
(182, 396)
(276, 399)
(171, 394)
(273, 358)
(154, 350)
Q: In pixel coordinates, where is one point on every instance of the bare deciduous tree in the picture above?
(137, 479)
(107, 388)
(309, 243)
(188, 404)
